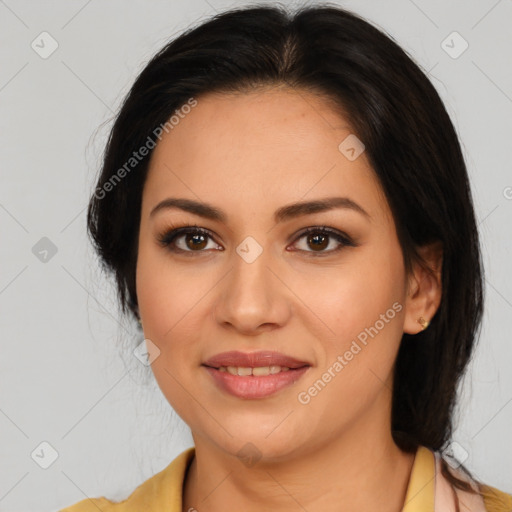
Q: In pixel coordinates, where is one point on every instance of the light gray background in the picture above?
(62, 380)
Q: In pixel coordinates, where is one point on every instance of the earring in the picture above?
(424, 323)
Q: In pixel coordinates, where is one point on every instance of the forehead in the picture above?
(260, 149)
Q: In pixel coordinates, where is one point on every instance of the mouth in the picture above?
(254, 375)
(258, 371)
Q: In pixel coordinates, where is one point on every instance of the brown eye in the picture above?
(318, 239)
(188, 239)
(195, 241)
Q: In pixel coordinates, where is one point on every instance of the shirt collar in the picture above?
(420, 491)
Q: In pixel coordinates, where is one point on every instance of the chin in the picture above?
(253, 448)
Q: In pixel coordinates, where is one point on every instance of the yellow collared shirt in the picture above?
(163, 491)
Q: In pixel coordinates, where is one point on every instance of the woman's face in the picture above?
(253, 281)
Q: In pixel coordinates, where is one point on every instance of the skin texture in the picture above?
(250, 154)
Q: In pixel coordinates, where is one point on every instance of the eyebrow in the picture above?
(282, 214)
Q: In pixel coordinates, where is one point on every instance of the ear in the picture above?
(424, 287)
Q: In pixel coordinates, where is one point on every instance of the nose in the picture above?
(252, 297)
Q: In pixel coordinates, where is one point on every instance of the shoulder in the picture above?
(484, 499)
(163, 491)
(496, 500)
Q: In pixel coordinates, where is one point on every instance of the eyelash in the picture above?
(167, 238)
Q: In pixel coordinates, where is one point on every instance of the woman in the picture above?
(314, 341)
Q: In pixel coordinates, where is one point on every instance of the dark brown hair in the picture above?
(410, 142)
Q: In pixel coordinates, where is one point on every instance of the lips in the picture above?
(254, 360)
(251, 387)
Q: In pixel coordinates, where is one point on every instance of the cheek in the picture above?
(166, 303)
(357, 358)
(349, 298)
(165, 293)
(173, 302)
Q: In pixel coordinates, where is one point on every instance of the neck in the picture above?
(361, 470)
